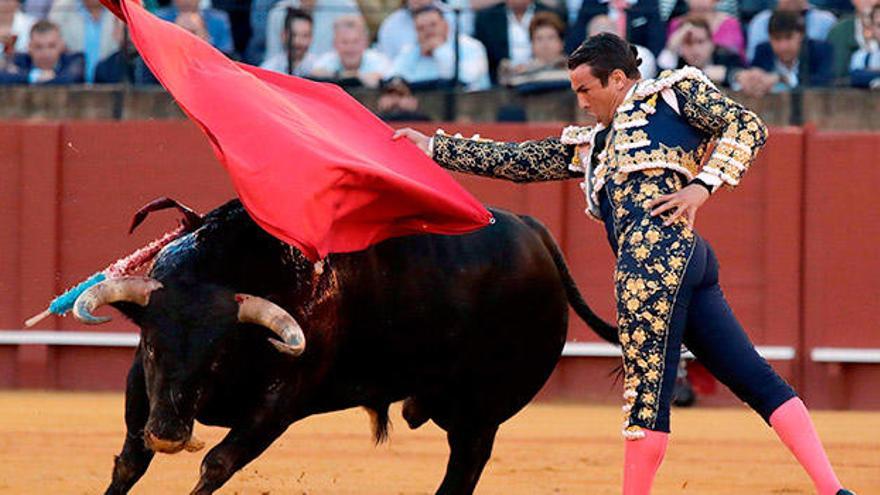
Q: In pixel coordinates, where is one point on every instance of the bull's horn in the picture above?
(131, 289)
(259, 311)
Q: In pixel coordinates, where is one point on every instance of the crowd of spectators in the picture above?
(397, 46)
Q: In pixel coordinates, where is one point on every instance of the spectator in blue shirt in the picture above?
(87, 27)
(788, 60)
(399, 28)
(817, 22)
(216, 22)
(431, 61)
(46, 61)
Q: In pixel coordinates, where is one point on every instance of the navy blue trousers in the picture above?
(668, 294)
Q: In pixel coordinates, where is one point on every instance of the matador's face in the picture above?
(600, 100)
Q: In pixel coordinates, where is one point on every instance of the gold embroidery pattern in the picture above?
(664, 157)
(529, 161)
(651, 262)
(627, 120)
(635, 138)
(741, 132)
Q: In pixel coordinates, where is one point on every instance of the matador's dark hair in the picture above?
(605, 53)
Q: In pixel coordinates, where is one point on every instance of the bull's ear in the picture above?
(131, 312)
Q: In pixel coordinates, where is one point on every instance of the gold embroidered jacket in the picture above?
(668, 122)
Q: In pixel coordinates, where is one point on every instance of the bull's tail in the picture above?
(603, 329)
(380, 421)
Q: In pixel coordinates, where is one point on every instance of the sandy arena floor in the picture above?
(64, 444)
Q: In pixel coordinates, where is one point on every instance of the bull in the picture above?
(240, 330)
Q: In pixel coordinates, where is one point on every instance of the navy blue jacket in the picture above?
(70, 69)
(114, 69)
(816, 62)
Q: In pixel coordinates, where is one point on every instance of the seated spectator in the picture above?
(216, 22)
(638, 21)
(238, 12)
(46, 61)
(87, 28)
(324, 13)
(848, 35)
(193, 22)
(503, 30)
(124, 66)
(692, 45)
(818, 23)
(38, 9)
(865, 62)
(350, 58)
(726, 29)
(297, 61)
(548, 68)
(397, 104)
(788, 60)
(255, 54)
(399, 29)
(15, 27)
(431, 62)
(604, 24)
(670, 9)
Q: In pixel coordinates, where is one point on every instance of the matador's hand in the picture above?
(413, 135)
(686, 202)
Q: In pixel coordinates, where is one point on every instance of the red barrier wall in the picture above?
(69, 190)
(841, 264)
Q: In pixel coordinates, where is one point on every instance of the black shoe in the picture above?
(843, 491)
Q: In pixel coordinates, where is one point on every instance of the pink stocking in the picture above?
(642, 458)
(792, 424)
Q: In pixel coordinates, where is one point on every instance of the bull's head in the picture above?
(185, 335)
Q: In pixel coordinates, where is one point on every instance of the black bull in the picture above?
(466, 329)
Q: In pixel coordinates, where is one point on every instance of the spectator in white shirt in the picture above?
(324, 13)
(350, 58)
(298, 37)
(865, 62)
(432, 59)
(399, 29)
(503, 29)
(547, 69)
(15, 27)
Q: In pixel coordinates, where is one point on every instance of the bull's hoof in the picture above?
(414, 413)
(194, 444)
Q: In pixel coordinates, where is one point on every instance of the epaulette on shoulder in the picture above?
(576, 135)
(669, 78)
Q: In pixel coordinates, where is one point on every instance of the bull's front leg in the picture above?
(240, 446)
(132, 463)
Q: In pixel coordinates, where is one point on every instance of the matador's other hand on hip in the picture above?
(684, 202)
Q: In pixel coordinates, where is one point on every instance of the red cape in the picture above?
(311, 165)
